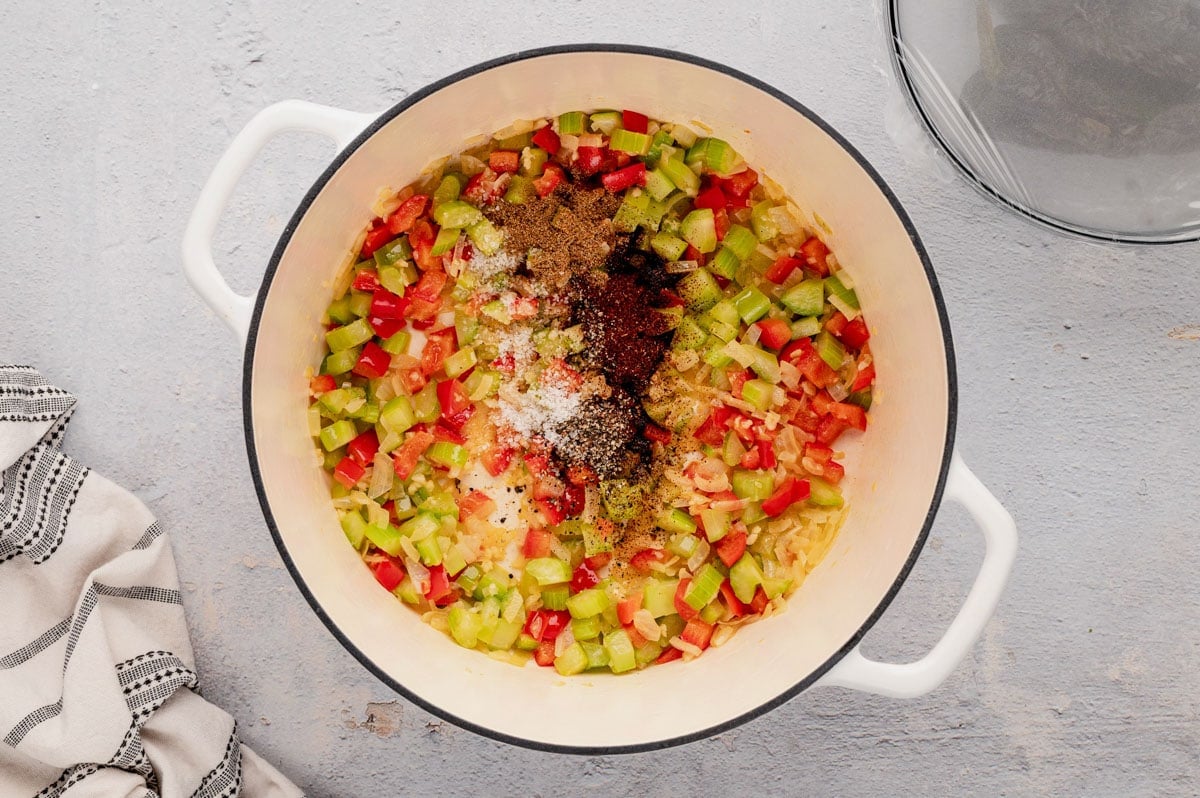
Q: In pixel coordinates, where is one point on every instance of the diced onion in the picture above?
(699, 556)
(685, 646)
(753, 334)
(842, 275)
(647, 627)
(470, 165)
(376, 515)
(838, 392)
(850, 313)
(789, 374)
(565, 639)
(591, 140)
(784, 220)
(681, 266)
(381, 476)
(417, 571)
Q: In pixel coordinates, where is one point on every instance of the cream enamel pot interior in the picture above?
(897, 475)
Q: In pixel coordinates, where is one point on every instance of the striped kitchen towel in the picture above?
(97, 677)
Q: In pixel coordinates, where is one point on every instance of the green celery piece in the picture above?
(571, 123)
(468, 580)
(764, 226)
(805, 298)
(753, 513)
(668, 247)
(533, 162)
(360, 303)
(835, 287)
(500, 634)
(398, 343)
(622, 499)
(393, 279)
(753, 485)
(629, 142)
(555, 597)
(716, 523)
(338, 490)
(456, 213)
(699, 229)
(597, 657)
(722, 331)
(495, 582)
(439, 503)
(481, 384)
(586, 628)
(393, 252)
(699, 290)
(715, 355)
(683, 545)
(597, 539)
(715, 154)
(725, 263)
(407, 592)
(648, 652)
(430, 551)
(460, 361)
(587, 603)
(348, 336)
(425, 405)
(465, 327)
(774, 588)
(725, 311)
(661, 139)
(517, 141)
(751, 304)
(338, 434)
(354, 526)
(369, 412)
(681, 175)
(447, 237)
(658, 185)
(549, 570)
(386, 538)
(740, 240)
(464, 626)
(806, 327)
(670, 316)
(339, 311)
(332, 403)
(688, 334)
(830, 349)
(765, 365)
(861, 398)
(573, 660)
(621, 656)
(712, 613)
(758, 393)
(527, 643)
(823, 494)
(397, 415)
(447, 454)
(420, 526)
(676, 521)
(605, 121)
(658, 596)
(486, 238)
(704, 587)
(744, 577)
(520, 190)
(448, 189)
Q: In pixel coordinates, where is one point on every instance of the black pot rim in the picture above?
(248, 420)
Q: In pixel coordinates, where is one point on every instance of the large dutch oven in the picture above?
(897, 475)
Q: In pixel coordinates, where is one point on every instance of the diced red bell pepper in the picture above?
(836, 323)
(739, 185)
(865, 378)
(634, 175)
(736, 607)
(546, 625)
(377, 236)
(430, 286)
(439, 591)
(774, 333)
(364, 447)
(801, 354)
(711, 197)
(657, 434)
(642, 560)
(635, 637)
(322, 383)
(598, 561)
(834, 472)
(385, 328)
(366, 280)
(682, 607)
(627, 607)
(484, 188)
(404, 458)
(829, 429)
(405, 216)
(670, 299)
(373, 361)
(791, 491)
(573, 501)
(524, 307)
(472, 503)
(547, 139)
(496, 459)
(457, 408)
(691, 253)
(760, 601)
(386, 305)
(721, 223)
(538, 464)
(850, 415)
(731, 547)
(737, 379)
(544, 654)
(670, 654)
(712, 431)
(413, 380)
(550, 180)
(583, 578)
(591, 160)
(779, 271)
(502, 161)
(551, 510)
(438, 347)
(766, 453)
(443, 433)
(423, 313)
(537, 542)
(818, 453)
(698, 633)
(855, 333)
(423, 232)
(750, 458)
(348, 472)
(388, 572)
(815, 254)
(634, 122)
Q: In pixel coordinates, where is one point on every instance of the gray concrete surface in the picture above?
(1078, 406)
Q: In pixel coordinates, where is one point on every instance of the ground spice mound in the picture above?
(606, 435)
(567, 233)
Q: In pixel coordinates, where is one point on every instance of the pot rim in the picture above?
(273, 266)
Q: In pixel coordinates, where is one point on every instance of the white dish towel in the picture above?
(97, 677)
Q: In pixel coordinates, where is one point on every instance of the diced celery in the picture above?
(806, 327)
(722, 331)
(397, 415)
(824, 494)
(573, 660)
(456, 213)
(704, 587)
(500, 634)
(354, 526)
(393, 252)
(397, 278)
(661, 139)
(526, 642)
(520, 190)
(448, 189)
(670, 316)
(430, 551)
(360, 303)
(681, 175)
(715, 355)
(658, 185)
(586, 628)
(688, 334)
(481, 384)
(751, 304)
(605, 121)
(758, 393)
(744, 577)
(549, 570)
(753, 485)
(338, 434)
(740, 240)
(465, 327)
(369, 412)
(597, 656)
(714, 154)
(648, 652)
(834, 286)
(555, 597)
(332, 403)
(699, 290)
(753, 513)
(620, 651)
(699, 229)
(459, 362)
(766, 365)
(398, 343)
(464, 625)
(830, 349)
(861, 398)
(732, 451)
(420, 526)
(587, 603)
(676, 521)
(486, 238)
(439, 503)
(668, 247)
(407, 591)
(468, 580)
(386, 538)
(724, 263)
(774, 588)
(628, 141)
(339, 311)
(597, 539)
(494, 583)
(658, 596)
(571, 123)
(622, 499)
(764, 226)
(725, 311)
(806, 298)
(448, 455)
(353, 334)
(447, 237)
(425, 405)
(713, 612)
(533, 162)
(716, 523)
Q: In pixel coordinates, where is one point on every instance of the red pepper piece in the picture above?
(430, 286)
(405, 216)
(782, 268)
(815, 253)
(348, 472)
(865, 378)
(385, 328)
(373, 362)
(439, 586)
(377, 236)
(366, 280)
(634, 122)
(471, 504)
(698, 633)
(583, 578)
(573, 501)
(504, 161)
(389, 572)
(537, 542)
(721, 222)
(783, 498)
(443, 433)
(731, 547)
(670, 654)
(736, 607)
(774, 333)
(544, 654)
(322, 383)
(682, 607)
(591, 160)
(829, 429)
(657, 434)
(711, 197)
(457, 408)
(547, 139)
(641, 561)
(836, 323)
(598, 561)
(550, 180)
(496, 459)
(739, 185)
(386, 305)
(364, 447)
(404, 459)
(622, 179)
(855, 333)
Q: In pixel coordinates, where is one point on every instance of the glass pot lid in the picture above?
(1081, 114)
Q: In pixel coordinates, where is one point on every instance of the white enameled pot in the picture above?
(897, 474)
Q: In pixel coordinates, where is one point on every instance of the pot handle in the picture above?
(914, 679)
(233, 308)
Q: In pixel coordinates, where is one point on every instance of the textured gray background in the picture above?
(1078, 406)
